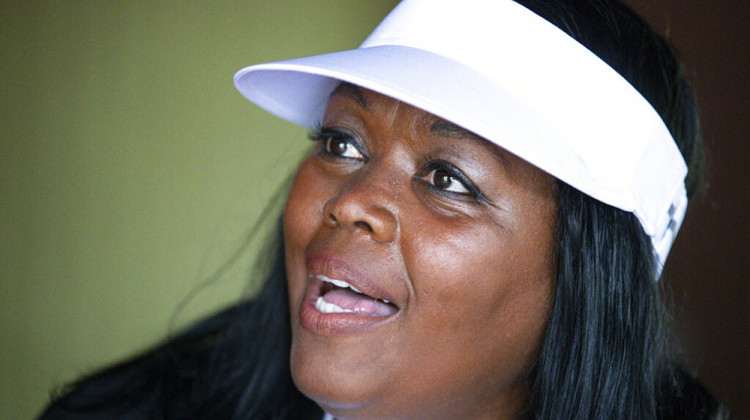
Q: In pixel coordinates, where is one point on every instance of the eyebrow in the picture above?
(448, 129)
(348, 89)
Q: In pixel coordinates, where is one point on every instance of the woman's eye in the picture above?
(444, 180)
(342, 147)
(338, 143)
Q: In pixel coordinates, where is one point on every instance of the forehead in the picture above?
(369, 100)
(369, 103)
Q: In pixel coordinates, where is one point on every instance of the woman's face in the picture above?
(448, 241)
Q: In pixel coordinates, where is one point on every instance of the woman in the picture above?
(477, 232)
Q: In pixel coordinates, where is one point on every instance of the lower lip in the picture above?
(336, 324)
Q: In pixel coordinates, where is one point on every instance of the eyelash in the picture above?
(432, 165)
(326, 134)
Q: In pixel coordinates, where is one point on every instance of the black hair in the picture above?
(603, 354)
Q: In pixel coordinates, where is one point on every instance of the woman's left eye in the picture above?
(443, 177)
(445, 181)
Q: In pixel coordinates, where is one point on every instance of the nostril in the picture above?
(330, 219)
(363, 225)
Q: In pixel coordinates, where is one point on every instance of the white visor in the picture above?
(498, 70)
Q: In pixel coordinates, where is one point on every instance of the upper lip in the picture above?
(335, 268)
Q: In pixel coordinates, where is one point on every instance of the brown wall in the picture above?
(708, 268)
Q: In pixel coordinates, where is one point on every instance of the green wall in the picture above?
(130, 169)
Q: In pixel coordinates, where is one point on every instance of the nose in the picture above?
(365, 204)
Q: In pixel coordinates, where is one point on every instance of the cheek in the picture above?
(302, 216)
(487, 293)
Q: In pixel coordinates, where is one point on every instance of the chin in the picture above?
(334, 382)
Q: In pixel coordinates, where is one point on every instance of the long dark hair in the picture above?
(603, 353)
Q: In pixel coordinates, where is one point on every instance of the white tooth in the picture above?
(324, 278)
(329, 308)
(319, 303)
(338, 283)
(386, 301)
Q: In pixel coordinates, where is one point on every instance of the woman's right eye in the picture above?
(339, 145)
(342, 148)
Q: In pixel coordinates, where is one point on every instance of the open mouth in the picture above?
(339, 297)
